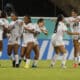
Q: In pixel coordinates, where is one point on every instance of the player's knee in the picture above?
(36, 56)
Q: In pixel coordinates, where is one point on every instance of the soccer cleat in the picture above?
(13, 63)
(34, 66)
(17, 65)
(79, 64)
(63, 66)
(26, 66)
(24, 60)
(75, 65)
(20, 61)
(51, 65)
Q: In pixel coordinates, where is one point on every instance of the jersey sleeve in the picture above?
(1, 23)
(62, 27)
(68, 20)
(30, 26)
(6, 24)
(12, 25)
(36, 27)
(19, 21)
(44, 28)
(65, 27)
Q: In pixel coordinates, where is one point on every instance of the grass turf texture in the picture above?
(43, 72)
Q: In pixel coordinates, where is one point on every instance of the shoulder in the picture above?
(19, 20)
(1, 20)
(30, 24)
(78, 16)
(62, 25)
(12, 23)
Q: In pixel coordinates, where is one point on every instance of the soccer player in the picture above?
(3, 25)
(14, 39)
(28, 39)
(74, 22)
(39, 28)
(58, 42)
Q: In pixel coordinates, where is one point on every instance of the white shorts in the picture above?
(13, 41)
(57, 42)
(36, 42)
(1, 36)
(26, 41)
(24, 44)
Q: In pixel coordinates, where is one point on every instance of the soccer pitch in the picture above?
(43, 72)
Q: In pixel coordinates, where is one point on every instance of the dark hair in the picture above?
(28, 18)
(3, 14)
(59, 18)
(14, 13)
(74, 10)
(40, 20)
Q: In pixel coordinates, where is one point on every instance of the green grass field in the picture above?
(43, 72)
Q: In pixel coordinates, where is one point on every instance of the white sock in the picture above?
(54, 59)
(17, 59)
(64, 58)
(75, 60)
(35, 62)
(78, 59)
(0, 53)
(24, 58)
(27, 61)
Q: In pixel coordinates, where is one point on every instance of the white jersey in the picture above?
(27, 36)
(74, 26)
(38, 29)
(15, 32)
(57, 38)
(3, 24)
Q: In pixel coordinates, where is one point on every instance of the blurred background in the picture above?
(45, 8)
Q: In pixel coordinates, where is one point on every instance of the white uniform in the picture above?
(57, 38)
(38, 29)
(3, 23)
(75, 27)
(15, 32)
(27, 36)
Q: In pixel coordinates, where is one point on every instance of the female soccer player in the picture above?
(13, 43)
(57, 40)
(3, 25)
(28, 39)
(74, 22)
(39, 28)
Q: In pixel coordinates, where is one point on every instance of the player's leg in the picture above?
(76, 52)
(10, 48)
(22, 54)
(36, 51)
(79, 55)
(56, 49)
(28, 51)
(54, 59)
(1, 46)
(64, 56)
(16, 46)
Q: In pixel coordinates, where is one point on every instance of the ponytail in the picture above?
(60, 18)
